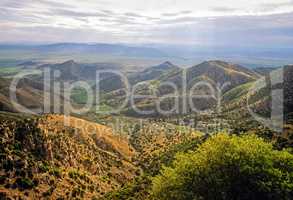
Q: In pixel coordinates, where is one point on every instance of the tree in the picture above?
(228, 167)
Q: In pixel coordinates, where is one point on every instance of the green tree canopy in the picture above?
(228, 167)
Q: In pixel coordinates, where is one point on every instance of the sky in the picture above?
(257, 23)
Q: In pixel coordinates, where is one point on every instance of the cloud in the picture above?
(178, 20)
(186, 12)
(108, 11)
(167, 21)
(171, 14)
(56, 4)
(73, 13)
(122, 21)
(175, 14)
(275, 6)
(132, 14)
(223, 9)
(272, 30)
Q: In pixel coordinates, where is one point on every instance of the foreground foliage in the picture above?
(228, 167)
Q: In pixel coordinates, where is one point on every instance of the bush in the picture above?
(24, 183)
(49, 192)
(75, 174)
(55, 171)
(44, 167)
(228, 167)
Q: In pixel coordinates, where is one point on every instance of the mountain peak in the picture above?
(69, 62)
(212, 65)
(165, 66)
(167, 63)
(219, 62)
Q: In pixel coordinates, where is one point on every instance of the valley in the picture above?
(110, 153)
(146, 100)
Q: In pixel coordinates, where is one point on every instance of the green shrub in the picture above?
(8, 165)
(75, 174)
(24, 183)
(77, 192)
(55, 172)
(228, 167)
(2, 179)
(44, 167)
(49, 192)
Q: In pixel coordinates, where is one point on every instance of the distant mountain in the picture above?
(216, 72)
(110, 49)
(288, 91)
(264, 70)
(29, 93)
(114, 82)
(260, 100)
(28, 64)
(71, 70)
(141, 54)
(222, 72)
(30, 90)
(84, 48)
(153, 73)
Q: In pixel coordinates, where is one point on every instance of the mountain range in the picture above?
(114, 156)
(143, 54)
(111, 86)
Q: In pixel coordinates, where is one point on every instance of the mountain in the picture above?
(213, 73)
(144, 53)
(28, 64)
(264, 70)
(100, 48)
(71, 70)
(29, 93)
(217, 72)
(85, 49)
(115, 82)
(260, 100)
(57, 156)
(153, 73)
(116, 156)
(30, 90)
(288, 91)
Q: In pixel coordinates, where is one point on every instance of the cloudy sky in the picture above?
(208, 22)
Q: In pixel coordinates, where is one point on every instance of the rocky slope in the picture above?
(45, 158)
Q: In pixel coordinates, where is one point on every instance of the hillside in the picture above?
(215, 73)
(55, 156)
(115, 156)
(43, 158)
(72, 71)
(29, 93)
(115, 82)
(260, 100)
(153, 73)
(264, 71)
